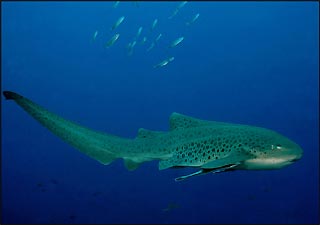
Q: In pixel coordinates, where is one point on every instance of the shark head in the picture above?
(275, 152)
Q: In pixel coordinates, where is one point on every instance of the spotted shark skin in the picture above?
(208, 145)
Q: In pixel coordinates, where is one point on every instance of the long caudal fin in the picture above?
(102, 147)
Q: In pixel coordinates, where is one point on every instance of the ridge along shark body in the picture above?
(207, 145)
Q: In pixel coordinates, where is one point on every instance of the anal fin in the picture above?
(131, 165)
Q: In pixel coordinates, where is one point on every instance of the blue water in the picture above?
(253, 63)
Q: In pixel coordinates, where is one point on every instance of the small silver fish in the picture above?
(130, 47)
(171, 59)
(119, 21)
(170, 207)
(95, 35)
(136, 3)
(144, 40)
(155, 22)
(158, 38)
(175, 12)
(112, 40)
(182, 4)
(164, 62)
(139, 32)
(134, 44)
(115, 4)
(195, 17)
(151, 47)
(176, 42)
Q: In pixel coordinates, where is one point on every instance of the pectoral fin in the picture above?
(226, 161)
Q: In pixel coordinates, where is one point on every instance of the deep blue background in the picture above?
(253, 63)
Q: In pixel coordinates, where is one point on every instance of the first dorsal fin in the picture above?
(178, 120)
(144, 133)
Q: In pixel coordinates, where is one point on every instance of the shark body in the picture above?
(208, 145)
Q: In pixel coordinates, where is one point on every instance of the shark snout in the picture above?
(297, 154)
(292, 154)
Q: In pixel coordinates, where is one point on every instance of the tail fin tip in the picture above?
(9, 95)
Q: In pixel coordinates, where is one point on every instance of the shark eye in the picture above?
(276, 147)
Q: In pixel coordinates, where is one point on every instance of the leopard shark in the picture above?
(209, 146)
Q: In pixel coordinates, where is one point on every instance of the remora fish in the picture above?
(190, 142)
(119, 21)
(112, 40)
(176, 42)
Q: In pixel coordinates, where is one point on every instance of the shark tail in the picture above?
(102, 147)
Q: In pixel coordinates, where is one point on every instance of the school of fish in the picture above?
(141, 38)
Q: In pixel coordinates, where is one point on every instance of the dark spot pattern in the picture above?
(242, 140)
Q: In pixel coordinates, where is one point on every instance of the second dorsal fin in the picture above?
(144, 133)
